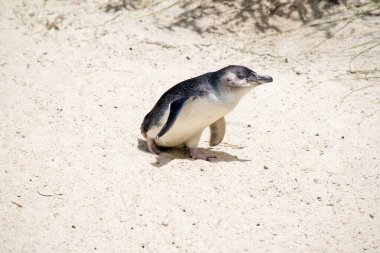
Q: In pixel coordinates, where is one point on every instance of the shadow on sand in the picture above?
(180, 153)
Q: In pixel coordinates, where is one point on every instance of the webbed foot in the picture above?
(197, 154)
(153, 147)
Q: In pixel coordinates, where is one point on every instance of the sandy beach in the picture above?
(297, 171)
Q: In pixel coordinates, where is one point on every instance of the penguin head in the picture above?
(235, 76)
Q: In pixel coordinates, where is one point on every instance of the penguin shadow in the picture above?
(170, 154)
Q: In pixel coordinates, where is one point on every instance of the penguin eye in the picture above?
(240, 76)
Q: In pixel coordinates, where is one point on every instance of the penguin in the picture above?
(185, 110)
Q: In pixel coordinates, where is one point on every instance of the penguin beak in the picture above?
(260, 79)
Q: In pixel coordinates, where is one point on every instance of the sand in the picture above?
(298, 170)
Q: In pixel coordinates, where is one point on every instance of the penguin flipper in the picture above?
(217, 131)
(175, 108)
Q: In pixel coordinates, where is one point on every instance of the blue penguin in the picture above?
(185, 110)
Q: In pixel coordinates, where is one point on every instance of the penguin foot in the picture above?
(153, 147)
(197, 154)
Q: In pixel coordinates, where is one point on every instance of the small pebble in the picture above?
(265, 167)
(371, 216)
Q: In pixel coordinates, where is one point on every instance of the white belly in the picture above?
(193, 119)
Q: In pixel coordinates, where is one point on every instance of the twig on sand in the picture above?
(369, 116)
(363, 44)
(159, 11)
(366, 12)
(17, 204)
(360, 53)
(350, 20)
(110, 20)
(351, 79)
(49, 195)
(231, 145)
(351, 92)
